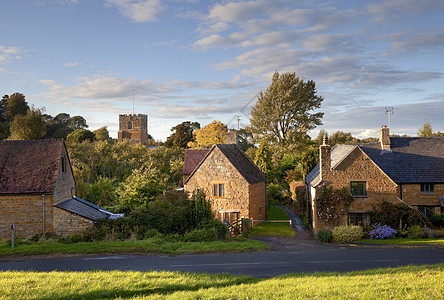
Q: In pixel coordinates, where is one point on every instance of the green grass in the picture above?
(157, 246)
(275, 229)
(413, 282)
(405, 241)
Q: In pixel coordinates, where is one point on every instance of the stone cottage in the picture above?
(407, 170)
(235, 186)
(36, 191)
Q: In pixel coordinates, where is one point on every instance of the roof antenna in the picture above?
(388, 112)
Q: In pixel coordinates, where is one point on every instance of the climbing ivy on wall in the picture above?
(331, 204)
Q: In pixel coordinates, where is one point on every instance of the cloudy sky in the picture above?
(199, 60)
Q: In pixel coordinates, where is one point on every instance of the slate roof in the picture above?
(29, 166)
(192, 159)
(86, 209)
(409, 160)
(243, 164)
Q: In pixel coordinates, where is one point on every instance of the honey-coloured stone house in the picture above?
(235, 186)
(37, 191)
(408, 170)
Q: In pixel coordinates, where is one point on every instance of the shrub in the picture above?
(437, 220)
(416, 232)
(382, 232)
(331, 204)
(324, 235)
(393, 214)
(346, 234)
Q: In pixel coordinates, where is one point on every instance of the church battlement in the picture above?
(133, 127)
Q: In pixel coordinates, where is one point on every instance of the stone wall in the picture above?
(26, 213)
(217, 169)
(65, 181)
(411, 194)
(258, 201)
(357, 166)
(66, 223)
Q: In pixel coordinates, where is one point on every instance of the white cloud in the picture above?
(236, 11)
(138, 10)
(9, 53)
(71, 64)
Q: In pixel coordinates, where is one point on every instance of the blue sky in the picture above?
(207, 60)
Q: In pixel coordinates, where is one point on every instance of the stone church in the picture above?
(134, 128)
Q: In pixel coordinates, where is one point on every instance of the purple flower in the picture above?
(381, 232)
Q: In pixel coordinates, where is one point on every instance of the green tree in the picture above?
(340, 137)
(245, 138)
(28, 127)
(16, 105)
(102, 134)
(77, 122)
(309, 160)
(263, 158)
(141, 187)
(3, 104)
(182, 134)
(80, 135)
(284, 113)
(213, 133)
(426, 130)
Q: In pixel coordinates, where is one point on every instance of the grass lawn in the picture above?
(401, 241)
(157, 246)
(277, 229)
(413, 282)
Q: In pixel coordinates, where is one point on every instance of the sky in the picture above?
(196, 60)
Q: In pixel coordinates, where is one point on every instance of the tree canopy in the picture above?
(213, 133)
(15, 105)
(182, 134)
(28, 127)
(284, 113)
(426, 130)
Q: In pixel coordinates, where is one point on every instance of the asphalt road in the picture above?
(287, 256)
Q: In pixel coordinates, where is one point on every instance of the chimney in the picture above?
(324, 157)
(384, 137)
(231, 137)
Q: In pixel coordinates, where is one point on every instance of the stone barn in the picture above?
(37, 191)
(235, 186)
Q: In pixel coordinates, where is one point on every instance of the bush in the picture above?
(416, 232)
(324, 235)
(437, 220)
(393, 215)
(346, 234)
(382, 232)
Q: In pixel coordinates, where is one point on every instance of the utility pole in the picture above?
(238, 121)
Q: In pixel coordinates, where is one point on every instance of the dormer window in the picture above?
(130, 125)
(63, 162)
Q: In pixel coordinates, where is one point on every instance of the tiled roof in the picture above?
(83, 208)
(243, 164)
(29, 166)
(409, 160)
(192, 159)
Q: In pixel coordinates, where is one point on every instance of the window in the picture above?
(428, 211)
(219, 190)
(358, 219)
(63, 162)
(427, 188)
(358, 188)
(130, 125)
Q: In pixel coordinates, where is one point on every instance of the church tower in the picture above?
(134, 128)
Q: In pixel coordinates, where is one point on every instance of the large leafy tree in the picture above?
(263, 158)
(182, 134)
(285, 111)
(28, 127)
(15, 105)
(213, 133)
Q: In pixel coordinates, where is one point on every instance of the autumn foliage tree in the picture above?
(213, 133)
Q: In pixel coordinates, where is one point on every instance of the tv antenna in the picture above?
(238, 121)
(389, 112)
